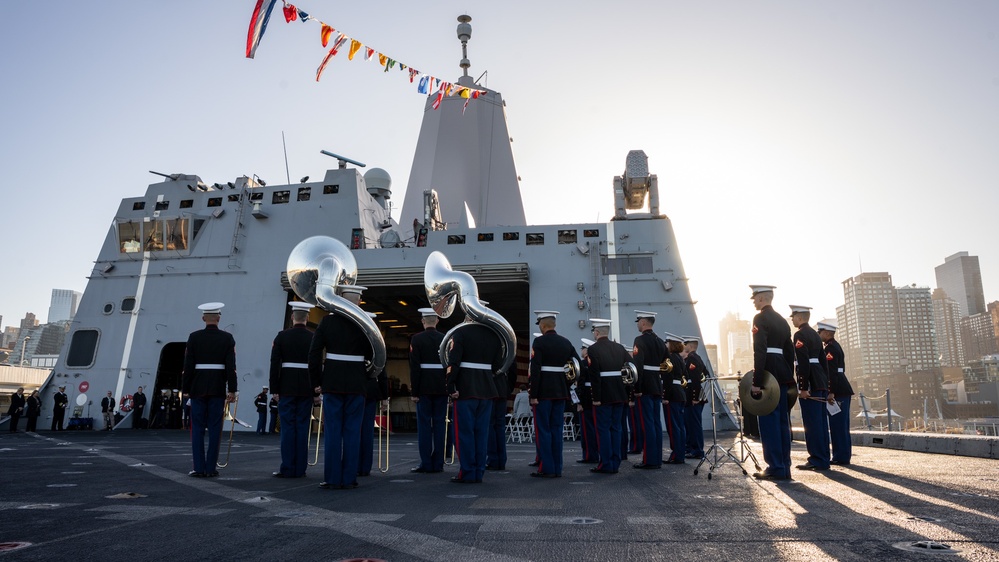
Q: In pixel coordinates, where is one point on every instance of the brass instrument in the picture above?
(666, 366)
(766, 402)
(230, 416)
(317, 267)
(702, 395)
(571, 370)
(318, 432)
(445, 288)
(684, 381)
(629, 373)
(384, 430)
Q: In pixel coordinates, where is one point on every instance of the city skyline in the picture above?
(795, 145)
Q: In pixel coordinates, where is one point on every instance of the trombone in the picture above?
(447, 422)
(383, 428)
(318, 432)
(230, 415)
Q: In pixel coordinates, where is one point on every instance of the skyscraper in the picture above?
(947, 321)
(978, 333)
(63, 305)
(961, 278)
(917, 335)
(735, 345)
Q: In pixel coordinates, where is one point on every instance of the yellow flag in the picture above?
(382, 59)
(355, 46)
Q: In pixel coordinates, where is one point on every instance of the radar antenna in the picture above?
(464, 34)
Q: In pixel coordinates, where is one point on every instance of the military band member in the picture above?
(107, 409)
(649, 351)
(61, 401)
(209, 370)
(426, 375)
(840, 391)
(272, 407)
(549, 392)
(138, 406)
(773, 352)
(674, 398)
(475, 356)
(813, 388)
(696, 373)
(587, 425)
(336, 367)
(604, 362)
(291, 385)
(376, 398)
(496, 439)
(261, 403)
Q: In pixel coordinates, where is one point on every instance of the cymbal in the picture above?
(766, 402)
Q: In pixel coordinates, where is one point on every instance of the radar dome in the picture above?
(378, 178)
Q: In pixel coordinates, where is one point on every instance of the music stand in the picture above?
(716, 455)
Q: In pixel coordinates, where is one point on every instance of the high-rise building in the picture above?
(735, 344)
(947, 321)
(885, 330)
(978, 333)
(961, 278)
(63, 305)
(29, 321)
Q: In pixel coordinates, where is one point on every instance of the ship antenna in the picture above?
(464, 34)
(287, 173)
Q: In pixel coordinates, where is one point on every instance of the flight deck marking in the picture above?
(512, 523)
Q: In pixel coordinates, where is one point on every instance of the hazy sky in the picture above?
(794, 142)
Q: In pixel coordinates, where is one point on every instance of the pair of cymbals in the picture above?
(764, 403)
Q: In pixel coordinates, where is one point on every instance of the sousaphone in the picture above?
(766, 402)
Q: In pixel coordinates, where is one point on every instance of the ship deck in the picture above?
(58, 494)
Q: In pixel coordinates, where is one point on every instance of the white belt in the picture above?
(468, 365)
(294, 365)
(776, 350)
(210, 366)
(587, 384)
(651, 367)
(610, 373)
(353, 358)
(813, 360)
(431, 366)
(677, 381)
(840, 370)
(553, 369)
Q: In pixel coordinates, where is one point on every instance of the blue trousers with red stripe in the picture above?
(677, 428)
(695, 430)
(342, 414)
(652, 429)
(588, 428)
(815, 419)
(608, 420)
(549, 421)
(471, 424)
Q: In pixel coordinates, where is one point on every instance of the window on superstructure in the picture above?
(455, 238)
(162, 205)
(82, 349)
(256, 196)
(535, 239)
(485, 237)
(330, 189)
(153, 236)
(567, 237)
(280, 197)
(233, 198)
(304, 193)
(214, 201)
(507, 236)
(138, 205)
(186, 203)
(129, 235)
(591, 233)
(176, 233)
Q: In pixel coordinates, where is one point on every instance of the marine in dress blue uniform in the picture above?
(209, 380)
(336, 368)
(376, 395)
(813, 387)
(674, 399)
(696, 373)
(291, 384)
(426, 375)
(840, 391)
(604, 362)
(773, 351)
(475, 356)
(260, 402)
(549, 392)
(587, 420)
(649, 350)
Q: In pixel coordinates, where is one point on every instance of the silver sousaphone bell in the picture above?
(766, 402)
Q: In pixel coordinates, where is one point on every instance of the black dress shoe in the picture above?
(456, 480)
(602, 471)
(585, 461)
(675, 461)
(535, 463)
(840, 463)
(213, 474)
(810, 466)
(196, 474)
(769, 476)
(279, 475)
(648, 466)
(543, 475)
(419, 470)
(324, 485)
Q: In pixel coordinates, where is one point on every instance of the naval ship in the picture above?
(185, 242)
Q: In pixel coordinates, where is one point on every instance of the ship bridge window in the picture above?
(535, 239)
(82, 349)
(627, 264)
(591, 233)
(281, 197)
(567, 237)
(304, 193)
(129, 234)
(455, 238)
(138, 205)
(511, 236)
(331, 189)
(256, 196)
(214, 201)
(186, 203)
(485, 237)
(162, 205)
(233, 198)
